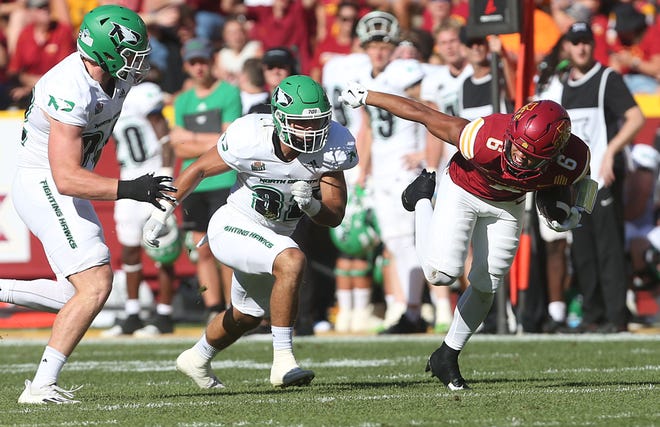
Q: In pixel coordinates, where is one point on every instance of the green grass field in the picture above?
(360, 381)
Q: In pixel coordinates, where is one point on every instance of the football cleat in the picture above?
(407, 326)
(47, 394)
(422, 187)
(443, 365)
(295, 377)
(160, 324)
(125, 327)
(191, 363)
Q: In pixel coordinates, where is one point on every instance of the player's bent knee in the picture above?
(289, 261)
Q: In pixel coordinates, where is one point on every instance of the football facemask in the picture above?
(301, 114)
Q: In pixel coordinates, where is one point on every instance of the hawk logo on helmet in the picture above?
(283, 98)
(120, 34)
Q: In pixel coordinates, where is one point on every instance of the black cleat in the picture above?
(422, 187)
(443, 365)
(406, 326)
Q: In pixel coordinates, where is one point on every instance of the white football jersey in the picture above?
(442, 88)
(392, 136)
(68, 94)
(337, 72)
(263, 187)
(138, 147)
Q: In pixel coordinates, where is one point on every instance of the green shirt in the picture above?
(208, 114)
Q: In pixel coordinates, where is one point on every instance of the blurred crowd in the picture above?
(249, 47)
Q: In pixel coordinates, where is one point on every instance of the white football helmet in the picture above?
(378, 26)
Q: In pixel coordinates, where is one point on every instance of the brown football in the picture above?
(555, 203)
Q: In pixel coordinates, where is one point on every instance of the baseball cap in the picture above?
(197, 48)
(467, 40)
(279, 56)
(580, 31)
(628, 19)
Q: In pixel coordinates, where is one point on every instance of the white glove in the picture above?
(302, 194)
(155, 225)
(354, 95)
(571, 222)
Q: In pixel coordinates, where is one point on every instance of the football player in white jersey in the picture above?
(290, 163)
(74, 108)
(353, 282)
(394, 149)
(143, 145)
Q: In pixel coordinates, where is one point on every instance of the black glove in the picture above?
(147, 188)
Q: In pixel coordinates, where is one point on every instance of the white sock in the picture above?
(206, 350)
(282, 337)
(132, 307)
(557, 310)
(471, 310)
(344, 299)
(49, 368)
(164, 309)
(442, 310)
(361, 298)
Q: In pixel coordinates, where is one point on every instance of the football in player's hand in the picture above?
(555, 203)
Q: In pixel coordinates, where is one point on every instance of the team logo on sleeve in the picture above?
(60, 104)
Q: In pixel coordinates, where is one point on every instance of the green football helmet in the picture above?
(170, 244)
(358, 233)
(116, 38)
(301, 113)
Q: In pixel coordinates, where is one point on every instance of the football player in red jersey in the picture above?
(500, 158)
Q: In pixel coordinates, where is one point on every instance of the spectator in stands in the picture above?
(236, 50)
(209, 19)
(288, 23)
(251, 82)
(43, 43)
(637, 55)
(606, 116)
(338, 42)
(201, 114)
(277, 64)
(436, 13)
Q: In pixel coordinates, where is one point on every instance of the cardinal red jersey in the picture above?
(477, 167)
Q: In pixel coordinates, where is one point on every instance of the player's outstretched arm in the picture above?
(447, 128)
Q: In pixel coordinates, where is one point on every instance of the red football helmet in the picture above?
(536, 134)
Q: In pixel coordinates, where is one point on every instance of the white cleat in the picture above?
(47, 394)
(293, 377)
(199, 370)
